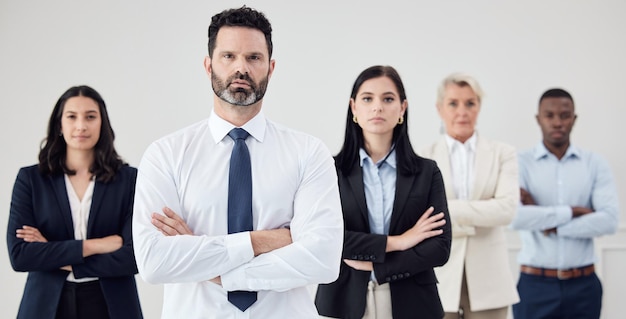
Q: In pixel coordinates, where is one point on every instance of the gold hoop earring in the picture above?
(354, 119)
(401, 120)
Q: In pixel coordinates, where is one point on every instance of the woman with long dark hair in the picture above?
(70, 218)
(389, 195)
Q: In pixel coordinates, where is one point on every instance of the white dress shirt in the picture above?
(80, 209)
(462, 157)
(294, 183)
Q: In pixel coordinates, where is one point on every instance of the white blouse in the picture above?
(80, 216)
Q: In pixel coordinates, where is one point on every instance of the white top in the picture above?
(462, 158)
(294, 183)
(80, 216)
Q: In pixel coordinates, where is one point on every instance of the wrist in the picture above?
(392, 244)
(88, 247)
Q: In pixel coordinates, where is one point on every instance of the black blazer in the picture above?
(41, 201)
(409, 273)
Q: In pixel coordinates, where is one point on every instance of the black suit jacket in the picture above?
(41, 201)
(409, 273)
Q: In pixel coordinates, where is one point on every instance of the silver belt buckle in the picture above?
(561, 274)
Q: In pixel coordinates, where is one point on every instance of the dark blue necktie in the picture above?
(240, 203)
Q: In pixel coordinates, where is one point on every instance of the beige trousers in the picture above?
(498, 313)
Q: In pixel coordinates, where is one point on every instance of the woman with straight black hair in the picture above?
(392, 239)
(70, 218)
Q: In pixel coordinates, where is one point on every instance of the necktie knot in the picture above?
(238, 134)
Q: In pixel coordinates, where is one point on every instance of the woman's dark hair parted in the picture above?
(408, 161)
(52, 156)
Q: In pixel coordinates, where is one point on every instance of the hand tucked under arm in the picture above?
(526, 198)
(360, 264)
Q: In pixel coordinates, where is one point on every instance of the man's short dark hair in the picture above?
(556, 92)
(241, 17)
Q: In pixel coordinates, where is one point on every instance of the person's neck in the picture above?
(461, 139)
(377, 146)
(79, 161)
(235, 114)
(557, 150)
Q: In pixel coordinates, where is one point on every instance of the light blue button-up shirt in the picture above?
(379, 180)
(580, 178)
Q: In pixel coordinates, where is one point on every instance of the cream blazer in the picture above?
(478, 227)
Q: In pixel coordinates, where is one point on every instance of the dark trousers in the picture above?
(82, 301)
(551, 298)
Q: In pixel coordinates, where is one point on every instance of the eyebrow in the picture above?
(89, 111)
(221, 52)
(459, 99)
(384, 93)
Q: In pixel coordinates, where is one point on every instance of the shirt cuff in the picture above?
(563, 214)
(239, 246)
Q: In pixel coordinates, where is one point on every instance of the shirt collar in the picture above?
(453, 143)
(220, 127)
(390, 158)
(541, 151)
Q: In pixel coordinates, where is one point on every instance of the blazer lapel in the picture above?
(442, 156)
(403, 189)
(482, 167)
(355, 179)
(60, 191)
(99, 189)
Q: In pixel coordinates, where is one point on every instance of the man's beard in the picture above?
(239, 96)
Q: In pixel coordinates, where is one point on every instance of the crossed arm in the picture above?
(425, 227)
(263, 241)
(577, 211)
(92, 246)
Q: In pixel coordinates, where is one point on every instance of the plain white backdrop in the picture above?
(145, 58)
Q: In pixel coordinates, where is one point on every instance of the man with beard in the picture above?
(568, 197)
(241, 235)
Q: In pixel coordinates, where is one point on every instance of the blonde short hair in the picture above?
(460, 79)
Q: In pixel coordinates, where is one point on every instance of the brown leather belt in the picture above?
(562, 274)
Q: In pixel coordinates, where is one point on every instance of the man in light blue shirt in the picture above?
(568, 197)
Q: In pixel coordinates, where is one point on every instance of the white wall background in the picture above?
(145, 58)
